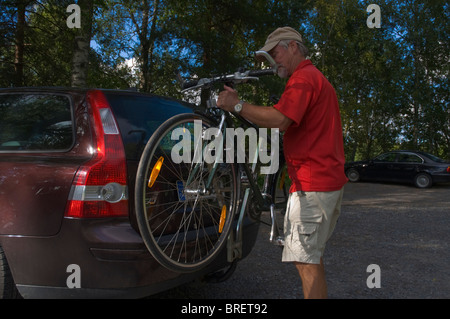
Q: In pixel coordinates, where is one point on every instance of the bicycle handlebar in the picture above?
(237, 77)
(189, 84)
(261, 72)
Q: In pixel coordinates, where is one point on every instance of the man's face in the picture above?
(284, 58)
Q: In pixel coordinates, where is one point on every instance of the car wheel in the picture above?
(423, 180)
(353, 175)
(8, 288)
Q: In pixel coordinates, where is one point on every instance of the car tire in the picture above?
(8, 288)
(423, 180)
(353, 175)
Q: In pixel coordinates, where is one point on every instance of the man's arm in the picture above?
(263, 116)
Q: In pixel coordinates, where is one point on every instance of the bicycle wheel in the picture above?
(183, 221)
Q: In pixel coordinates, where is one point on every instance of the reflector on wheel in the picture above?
(155, 172)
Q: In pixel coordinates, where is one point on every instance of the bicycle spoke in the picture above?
(184, 219)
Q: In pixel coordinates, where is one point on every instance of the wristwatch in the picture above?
(238, 107)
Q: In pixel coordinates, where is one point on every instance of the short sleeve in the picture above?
(295, 101)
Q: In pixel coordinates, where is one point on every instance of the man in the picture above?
(308, 112)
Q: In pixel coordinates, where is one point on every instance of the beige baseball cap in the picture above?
(280, 34)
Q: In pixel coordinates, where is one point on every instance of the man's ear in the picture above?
(293, 46)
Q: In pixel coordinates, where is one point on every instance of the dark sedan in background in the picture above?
(420, 168)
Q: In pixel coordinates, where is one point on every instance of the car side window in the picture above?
(409, 158)
(388, 157)
(35, 122)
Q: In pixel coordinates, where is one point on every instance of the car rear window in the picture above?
(138, 117)
(35, 122)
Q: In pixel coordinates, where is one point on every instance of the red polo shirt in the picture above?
(313, 144)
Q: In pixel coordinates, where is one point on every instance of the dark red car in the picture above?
(68, 161)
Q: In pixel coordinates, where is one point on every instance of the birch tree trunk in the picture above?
(145, 29)
(80, 58)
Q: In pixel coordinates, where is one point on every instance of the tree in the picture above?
(217, 37)
(49, 49)
(13, 28)
(20, 41)
(359, 62)
(7, 34)
(392, 82)
(422, 31)
(82, 44)
(132, 36)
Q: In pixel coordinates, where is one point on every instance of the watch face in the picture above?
(238, 107)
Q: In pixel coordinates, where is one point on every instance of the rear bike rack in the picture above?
(234, 244)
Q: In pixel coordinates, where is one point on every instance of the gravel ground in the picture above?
(402, 229)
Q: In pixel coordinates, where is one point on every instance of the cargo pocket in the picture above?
(308, 231)
(307, 236)
(301, 243)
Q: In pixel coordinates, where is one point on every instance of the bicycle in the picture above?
(189, 208)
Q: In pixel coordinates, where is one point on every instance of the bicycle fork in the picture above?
(234, 245)
(275, 237)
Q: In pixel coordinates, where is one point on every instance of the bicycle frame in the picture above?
(264, 201)
(262, 197)
(197, 206)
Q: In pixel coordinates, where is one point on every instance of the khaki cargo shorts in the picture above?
(309, 222)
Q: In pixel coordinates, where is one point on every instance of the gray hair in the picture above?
(303, 49)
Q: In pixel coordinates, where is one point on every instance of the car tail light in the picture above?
(448, 169)
(100, 186)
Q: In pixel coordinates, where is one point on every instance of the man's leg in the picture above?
(309, 222)
(313, 280)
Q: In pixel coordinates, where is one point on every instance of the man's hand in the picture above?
(228, 99)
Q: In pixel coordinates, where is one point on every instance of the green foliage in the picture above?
(392, 82)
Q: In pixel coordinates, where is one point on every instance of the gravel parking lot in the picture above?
(402, 229)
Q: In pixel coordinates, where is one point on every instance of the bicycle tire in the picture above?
(182, 228)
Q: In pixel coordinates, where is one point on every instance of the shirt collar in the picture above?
(303, 64)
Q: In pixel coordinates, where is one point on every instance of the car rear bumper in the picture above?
(441, 178)
(112, 259)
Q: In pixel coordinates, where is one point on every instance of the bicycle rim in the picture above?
(184, 226)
